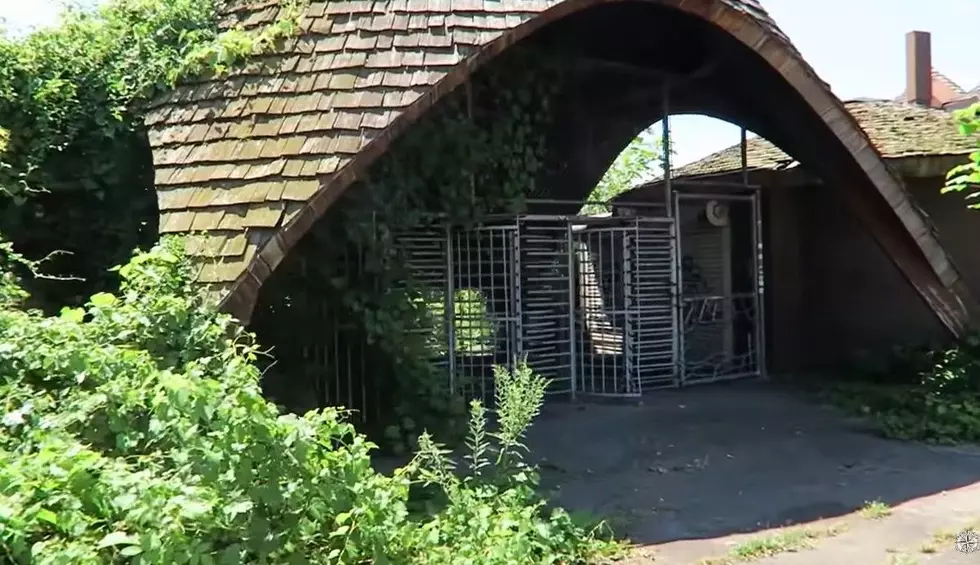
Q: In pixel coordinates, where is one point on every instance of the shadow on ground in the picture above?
(712, 461)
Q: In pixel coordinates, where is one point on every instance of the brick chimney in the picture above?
(918, 68)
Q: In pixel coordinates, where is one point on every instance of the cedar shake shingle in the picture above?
(239, 155)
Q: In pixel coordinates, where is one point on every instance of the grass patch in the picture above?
(946, 538)
(941, 539)
(902, 559)
(875, 510)
(786, 541)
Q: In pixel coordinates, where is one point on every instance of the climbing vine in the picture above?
(481, 151)
(482, 154)
(74, 157)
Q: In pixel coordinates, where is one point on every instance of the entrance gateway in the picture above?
(654, 296)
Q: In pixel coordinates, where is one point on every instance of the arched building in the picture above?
(259, 162)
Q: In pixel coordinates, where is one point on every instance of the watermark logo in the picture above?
(968, 541)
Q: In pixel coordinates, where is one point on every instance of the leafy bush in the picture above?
(134, 430)
(492, 513)
(11, 291)
(74, 155)
(921, 393)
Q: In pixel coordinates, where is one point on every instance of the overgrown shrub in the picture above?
(922, 393)
(74, 154)
(487, 509)
(134, 431)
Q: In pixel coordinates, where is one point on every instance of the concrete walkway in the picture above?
(688, 475)
(918, 532)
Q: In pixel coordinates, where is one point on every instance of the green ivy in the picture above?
(479, 152)
(74, 157)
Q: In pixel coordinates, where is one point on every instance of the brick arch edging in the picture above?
(951, 302)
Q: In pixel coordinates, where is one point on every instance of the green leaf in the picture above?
(117, 538)
(131, 551)
(76, 315)
(48, 516)
(240, 507)
(231, 555)
(102, 300)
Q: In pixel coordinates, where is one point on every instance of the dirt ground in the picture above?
(687, 473)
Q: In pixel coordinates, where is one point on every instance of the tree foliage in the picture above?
(74, 157)
(965, 178)
(640, 162)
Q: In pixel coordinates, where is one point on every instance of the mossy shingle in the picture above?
(897, 129)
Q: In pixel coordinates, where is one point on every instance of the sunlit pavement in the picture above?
(690, 474)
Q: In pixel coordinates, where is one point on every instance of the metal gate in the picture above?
(624, 300)
(720, 280)
(588, 303)
(607, 307)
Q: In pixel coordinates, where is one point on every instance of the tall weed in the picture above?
(133, 430)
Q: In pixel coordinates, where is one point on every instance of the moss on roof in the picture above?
(897, 129)
(239, 157)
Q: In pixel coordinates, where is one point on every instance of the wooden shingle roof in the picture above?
(255, 159)
(897, 129)
(241, 156)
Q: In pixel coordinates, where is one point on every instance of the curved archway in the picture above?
(877, 192)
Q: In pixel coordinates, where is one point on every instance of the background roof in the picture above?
(897, 129)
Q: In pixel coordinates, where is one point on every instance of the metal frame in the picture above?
(544, 279)
(596, 304)
(691, 369)
(588, 302)
(485, 318)
(625, 341)
(760, 284)
(599, 305)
